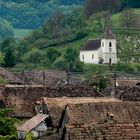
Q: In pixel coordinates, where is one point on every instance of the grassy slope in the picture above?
(116, 18)
(127, 50)
(21, 33)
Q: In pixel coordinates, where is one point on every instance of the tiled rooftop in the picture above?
(32, 123)
(97, 112)
(104, 131)
(56, 106)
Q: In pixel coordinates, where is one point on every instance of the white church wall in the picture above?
(90, 57)
(109, 53)
(108, 56)
(105, 45)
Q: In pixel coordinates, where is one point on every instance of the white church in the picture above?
(100, 51)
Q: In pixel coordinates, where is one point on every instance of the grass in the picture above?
(116, 18)
(21, 33)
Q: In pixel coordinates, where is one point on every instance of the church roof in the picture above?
(92, 44)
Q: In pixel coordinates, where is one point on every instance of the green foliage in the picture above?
(129, 19)
(1, 58)
(33, 13)
(71, 56)
(8, 48)
(60, 64)
(6, 29)
(128, 67)
(52, 54)
(34, 56)
(7, 128)
(29, 136)
(3, 81)
(13, 137)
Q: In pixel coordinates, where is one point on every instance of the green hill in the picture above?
(31, 14)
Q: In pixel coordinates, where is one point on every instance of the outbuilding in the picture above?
(35, 125)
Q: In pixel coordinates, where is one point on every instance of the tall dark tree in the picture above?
(129, 18)
(8, 49)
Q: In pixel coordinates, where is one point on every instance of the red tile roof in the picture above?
(32, 123)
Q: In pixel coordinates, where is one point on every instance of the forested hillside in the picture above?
(56, 44)
(33, 13)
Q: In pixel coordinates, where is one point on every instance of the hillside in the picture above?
(33, 13)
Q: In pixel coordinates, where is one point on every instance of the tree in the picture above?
(8, 48)
(93, 6)
(7, 127)
(128, 18)
(6, 29)
(1, 58)
(130, 3)
(34, 56)
(52, 54)
(71, 56)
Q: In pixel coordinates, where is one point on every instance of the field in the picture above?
(21, 33)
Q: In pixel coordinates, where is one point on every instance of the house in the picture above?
(55, 107)
(101, 50)
(102, 120)
(35, 125)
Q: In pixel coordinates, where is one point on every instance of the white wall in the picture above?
(106, 54)
(105, 48)
(86, 57)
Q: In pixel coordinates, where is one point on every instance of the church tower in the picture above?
(108, 44)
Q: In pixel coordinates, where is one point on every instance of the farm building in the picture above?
(36, 125)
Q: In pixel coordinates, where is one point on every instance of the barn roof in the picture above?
(97, 112)
(77, 100)
(56, 106)
(92, 44)
(107, 131)
(32, 123)
(130, 83)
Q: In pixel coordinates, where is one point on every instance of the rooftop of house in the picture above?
(56, 106)
(92, 44)
(97, 112)
(130, 83)
(107, 131)
(18, 97)
(32, 123)
(63, 101)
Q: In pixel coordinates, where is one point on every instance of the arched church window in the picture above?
(110, 44)
(110, 47)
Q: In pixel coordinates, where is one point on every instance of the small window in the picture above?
(92, 56)
(110, 44)
(83, 57)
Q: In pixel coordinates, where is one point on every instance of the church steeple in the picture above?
(108, 33)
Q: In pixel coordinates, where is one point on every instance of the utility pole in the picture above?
(44, 79)
(115, 77)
